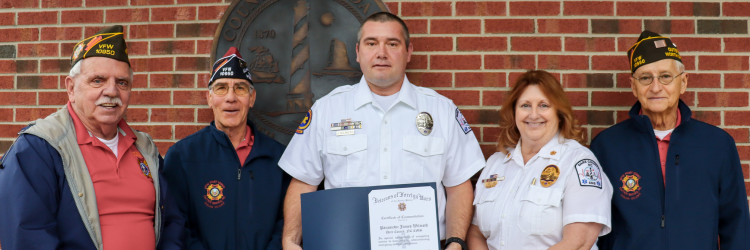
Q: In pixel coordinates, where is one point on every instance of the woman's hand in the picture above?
(578, 236)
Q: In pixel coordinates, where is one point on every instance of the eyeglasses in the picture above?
(221, 89)
(664, 79)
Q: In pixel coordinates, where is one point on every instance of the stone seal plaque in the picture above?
(297, 52)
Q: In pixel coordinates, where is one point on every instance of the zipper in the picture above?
(239, 174)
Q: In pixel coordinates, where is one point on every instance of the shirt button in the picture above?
(385, 149)
(425, 150)
(502, 243)
(386, 121)
(80, 194)
(344, 148)
(385, 177)
(503, 215)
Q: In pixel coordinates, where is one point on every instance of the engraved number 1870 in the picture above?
(265, 33)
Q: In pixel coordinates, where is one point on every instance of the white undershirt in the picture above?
(112, 144)
(385, 102)
(662, 133)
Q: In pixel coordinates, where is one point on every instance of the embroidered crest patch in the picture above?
(214, 194)
(305, 123)
(630, 188)
(589, 173)
(462, 122)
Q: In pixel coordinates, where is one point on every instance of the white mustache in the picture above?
(113, 100)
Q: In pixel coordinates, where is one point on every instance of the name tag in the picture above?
(344, 132)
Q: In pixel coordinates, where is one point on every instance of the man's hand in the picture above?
(293, 214)
(453, 246)
(289, 245)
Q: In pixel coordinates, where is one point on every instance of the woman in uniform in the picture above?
(542, 189)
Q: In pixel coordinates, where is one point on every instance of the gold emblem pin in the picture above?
(549, 175)
(492, 181)
(553, 152)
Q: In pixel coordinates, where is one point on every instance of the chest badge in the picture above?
(424, 123)
(214, 197)
(346, 127)
(630, 188)
(492, 181)
(549, 175)
(144, 167)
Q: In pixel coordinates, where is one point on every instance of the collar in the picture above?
(551, 150)
(84, 138)
(643, 123)
(363, 94)
(259, 139)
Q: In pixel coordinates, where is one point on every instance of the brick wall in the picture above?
(468, 51)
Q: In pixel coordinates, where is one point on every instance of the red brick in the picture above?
(204, 46)
(746, 171)
(710, 117)
(535, 44)
(7, 19)
(682, 26)
(140, 81)
(8, 4)
(197, 1)
(172, 115)
(55, 66)
(704, 80)
(588, 8)
(21, 34)
(190, 98)
(102, 3)
(137, 48)
(149, 97)
(211, 12)
(740, 135)
(690, 44)
(689, 62)
(513, 77)
(127, 15)
(8, 66)
(416, 26)
(734, 81)
(616, 26)
(10, 131)
(61, 3)
(6, 82)
(31, 114)
(455, 26)
(694, 9)
(736, 9)
(509, 26)
(670, 26)
(38, 50)
(151, 2)
(736, 44)
(689, 98)
(509, 62)
(592, 80)
(600, 98)
(62, 33)
(490, 134)
(172, 47)
(482, 43)
(624, 43)
(426, 9)
(17, 98)
(27, 66)
(6, 115)
(82, 16)
(172, 81)
(492, 98)
(53, 98)
(392, 7)
(417, 62)
(563, 25)
(455, 61)
(534, 8)
(488, 150)
(722, 99)
(563, 62)
(195, 29)
(609, 63)
(151, 64)
(36, 18)
(193, 63)
(205, 115)
(37, 82)
(151, 31)
(136, 115)
(736, 118)
(155, 131)
(173, 14)
(723, 63)
(480, 8)
(182, 131)
(461, 97)
(432, 43)
(430, 79)
(641, 9)
(593, 44)
(163, 147)
(89, 31)
(480, 79)
(578, 99)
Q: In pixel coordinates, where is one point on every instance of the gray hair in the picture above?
(680, 66)
(76, 70)
(383, 17)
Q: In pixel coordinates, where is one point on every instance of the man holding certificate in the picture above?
(384, 131)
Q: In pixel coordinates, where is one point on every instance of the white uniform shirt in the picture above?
(514, 214)
(388, 149)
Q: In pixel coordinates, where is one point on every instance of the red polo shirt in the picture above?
(663, 145)
(244, 148)
(125, 194)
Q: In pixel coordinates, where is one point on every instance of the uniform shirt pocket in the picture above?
(422, 158)
(486, 209)
(540, 210)
(351, 152)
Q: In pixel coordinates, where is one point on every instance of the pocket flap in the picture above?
(487, 195)
(423, 145)
(346, 145)
(544, 196)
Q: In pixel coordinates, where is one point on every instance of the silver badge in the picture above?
(424, 123)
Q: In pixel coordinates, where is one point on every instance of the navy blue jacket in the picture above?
(704, 202)
(248, 214)
(37, 210)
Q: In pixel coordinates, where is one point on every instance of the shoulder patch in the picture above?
(305, 123)
(589, 173)
(462, 122)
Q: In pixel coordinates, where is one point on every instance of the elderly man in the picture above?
(366, 135)
(225, 177)
(681, 183)
(82, 178)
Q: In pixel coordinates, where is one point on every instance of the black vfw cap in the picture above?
(651, 47)
(109, 42)
(231, 65)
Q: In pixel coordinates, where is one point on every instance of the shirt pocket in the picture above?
(485, 204)
(422, 158)
(349, 151)
(540, 210)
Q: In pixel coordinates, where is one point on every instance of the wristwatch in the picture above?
(457, 240)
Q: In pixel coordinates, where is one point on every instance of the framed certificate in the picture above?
(371, 218)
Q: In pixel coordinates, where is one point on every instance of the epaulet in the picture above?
(427, 91)
(341, 89)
